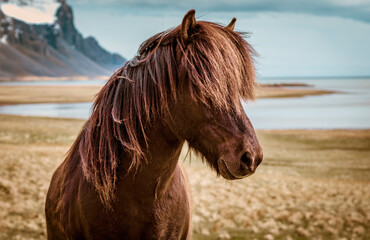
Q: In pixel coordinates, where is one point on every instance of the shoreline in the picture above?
(271, 130)
(102, 77)
(289, 90)
(11, 94)
(50, 78)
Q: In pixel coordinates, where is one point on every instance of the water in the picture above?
(60, 110)
(348, 109)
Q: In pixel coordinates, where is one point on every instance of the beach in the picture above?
(226, 77)
(312, 184)
(85, 93)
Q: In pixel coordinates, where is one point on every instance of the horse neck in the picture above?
(153, 175)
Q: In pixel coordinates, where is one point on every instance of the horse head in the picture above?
(215, 72)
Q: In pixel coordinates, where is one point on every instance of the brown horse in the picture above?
(121, 178)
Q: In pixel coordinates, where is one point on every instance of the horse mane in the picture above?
(216, 68)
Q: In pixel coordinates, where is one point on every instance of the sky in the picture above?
(294, 38)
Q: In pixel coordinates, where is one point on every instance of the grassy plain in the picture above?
(311, 184)
(86, 93)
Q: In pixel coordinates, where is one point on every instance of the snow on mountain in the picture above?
(3, 39)
(50, 49)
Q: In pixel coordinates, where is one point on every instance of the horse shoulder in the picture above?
(63, 204)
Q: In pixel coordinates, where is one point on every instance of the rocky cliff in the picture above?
(51, 50)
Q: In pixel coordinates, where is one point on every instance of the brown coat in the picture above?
(121, 178)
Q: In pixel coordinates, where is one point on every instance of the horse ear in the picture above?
(188, 23)
(231, 24)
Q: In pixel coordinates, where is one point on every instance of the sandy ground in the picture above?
(46, 78)
(86, 93)
(287, 92)
(311, 184)
(47, 94)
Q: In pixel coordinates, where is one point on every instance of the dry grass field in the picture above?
(86, 93)
(311, 184)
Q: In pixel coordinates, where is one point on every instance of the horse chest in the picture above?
(167, 217)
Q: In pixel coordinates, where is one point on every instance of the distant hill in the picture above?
(51, 50)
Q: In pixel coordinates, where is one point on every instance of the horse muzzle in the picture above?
(244, 166)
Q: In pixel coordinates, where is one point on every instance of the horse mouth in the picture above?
(225, 172)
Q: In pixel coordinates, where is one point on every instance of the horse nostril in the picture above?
(247, 159)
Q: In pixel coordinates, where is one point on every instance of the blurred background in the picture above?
(312, 112)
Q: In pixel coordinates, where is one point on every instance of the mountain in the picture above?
(51, 50)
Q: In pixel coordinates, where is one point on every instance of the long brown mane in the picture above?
(215, 66)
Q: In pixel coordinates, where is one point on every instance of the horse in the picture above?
(121, 178)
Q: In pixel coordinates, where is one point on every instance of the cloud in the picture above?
(39, 12)
(354, 9)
